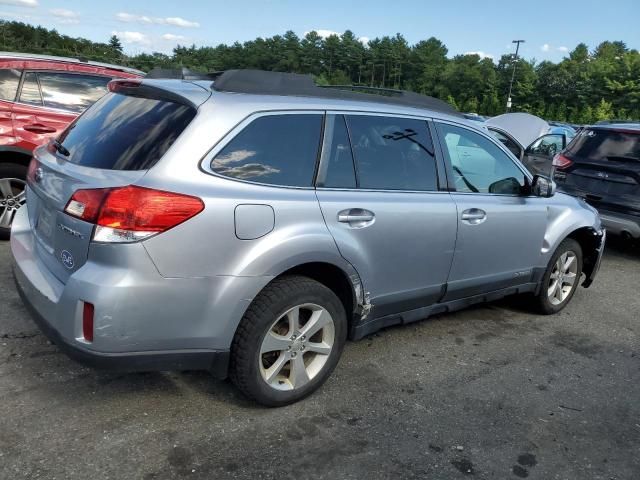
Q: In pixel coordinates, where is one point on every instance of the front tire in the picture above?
(561, 279)
(288, 342)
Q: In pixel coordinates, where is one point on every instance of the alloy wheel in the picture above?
(563, 277)
(296, 347)
(12, 197)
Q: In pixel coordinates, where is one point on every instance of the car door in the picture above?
(378, 190)
(500, 229)
(539, 155)
(49, 101)
(9, 81)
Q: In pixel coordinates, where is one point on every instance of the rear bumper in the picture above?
(217, 362)
(142, 320)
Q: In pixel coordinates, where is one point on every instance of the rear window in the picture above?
(602, 144)
(125, 133)
(9, 80)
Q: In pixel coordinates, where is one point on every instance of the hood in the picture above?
(524, 127)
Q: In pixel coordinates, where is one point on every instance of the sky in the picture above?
(551, 28)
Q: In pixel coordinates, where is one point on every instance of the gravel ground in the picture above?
(492, 392)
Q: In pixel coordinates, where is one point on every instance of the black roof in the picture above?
(181, 74)
(259, 82)
(627, 126)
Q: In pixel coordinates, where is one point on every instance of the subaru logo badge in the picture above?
(67, 259)
(38, 174)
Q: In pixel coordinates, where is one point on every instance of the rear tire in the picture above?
(561, 278)
(12, 183)
(288, 342)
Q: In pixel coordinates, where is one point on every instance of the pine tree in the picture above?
(115, 45)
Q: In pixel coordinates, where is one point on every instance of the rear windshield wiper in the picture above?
(60, 148)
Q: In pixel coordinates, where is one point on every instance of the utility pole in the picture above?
(513, 74)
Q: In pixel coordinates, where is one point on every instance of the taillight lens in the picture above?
(561, 162)
(118, 85)
(128, 214)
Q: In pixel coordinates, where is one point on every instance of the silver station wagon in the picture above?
(249, 225)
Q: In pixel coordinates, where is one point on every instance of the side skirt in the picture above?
(372, 325)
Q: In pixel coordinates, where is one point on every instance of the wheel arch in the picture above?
(589, 240)
(343, 280)
(15, 155)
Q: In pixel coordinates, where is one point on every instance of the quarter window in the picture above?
(30, 92)
(480, 166)
(273, 149)
(9, 80)
(392, 153)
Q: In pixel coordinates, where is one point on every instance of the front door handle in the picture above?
(356, 217)
(39, 128)
(474, 216)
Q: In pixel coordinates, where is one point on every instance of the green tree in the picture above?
(115, 45)
(583, 87)
(604, 111)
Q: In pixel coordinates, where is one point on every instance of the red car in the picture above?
(39, 97)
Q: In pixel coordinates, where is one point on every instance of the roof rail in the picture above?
(181, 74)
(35, 56)
(261, 82)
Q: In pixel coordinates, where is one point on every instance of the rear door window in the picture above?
(30, 92)
(392, 153)
(125, 133)
(71, 91)
(9, 80)
(279, 149)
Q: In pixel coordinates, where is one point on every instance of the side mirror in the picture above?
(507, 186)
(543, 186)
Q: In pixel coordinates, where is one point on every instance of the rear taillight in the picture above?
(561, 162)
(119, 85)
(128, 214)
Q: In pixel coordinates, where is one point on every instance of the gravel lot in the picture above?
(491, 392)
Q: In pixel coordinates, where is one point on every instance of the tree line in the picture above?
(584, 87)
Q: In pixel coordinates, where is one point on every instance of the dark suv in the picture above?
(602, 164)
(39, 96)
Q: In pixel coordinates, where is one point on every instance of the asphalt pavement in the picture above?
(491, 392)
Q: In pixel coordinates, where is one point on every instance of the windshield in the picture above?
(121, 132)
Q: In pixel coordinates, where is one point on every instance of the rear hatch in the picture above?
(604, 168)
(112, 144)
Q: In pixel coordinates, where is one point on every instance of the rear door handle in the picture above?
(39, 128)
(474, 216)
(356, 216)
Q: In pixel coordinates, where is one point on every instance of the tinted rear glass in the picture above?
(601, 144)
(125, 133)
(9, 80)
(274, 149)
(392, 153)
